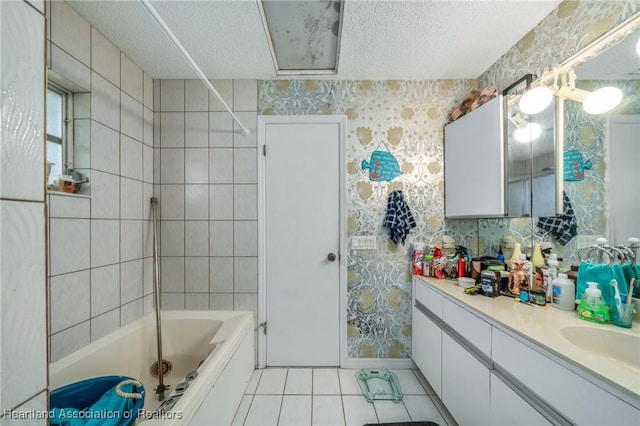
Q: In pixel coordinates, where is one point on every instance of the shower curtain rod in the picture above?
(192, 63)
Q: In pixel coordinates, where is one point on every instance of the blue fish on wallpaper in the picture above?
(382, 166)
(574, 165)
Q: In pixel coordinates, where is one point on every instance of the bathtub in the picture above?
(219, 345)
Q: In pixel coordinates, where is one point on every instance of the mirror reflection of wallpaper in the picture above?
(408, 116)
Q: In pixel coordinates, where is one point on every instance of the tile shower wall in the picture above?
(206, 183)
(23, 327)
(100, 247)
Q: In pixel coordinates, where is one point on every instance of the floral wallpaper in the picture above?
(409, 117)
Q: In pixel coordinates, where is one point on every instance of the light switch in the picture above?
(364, 242)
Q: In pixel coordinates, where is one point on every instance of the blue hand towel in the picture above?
(601, 274)
(398, 219)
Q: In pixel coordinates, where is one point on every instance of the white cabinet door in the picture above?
(474, 182)
(465, 384)
(508, 408)
(427, 349)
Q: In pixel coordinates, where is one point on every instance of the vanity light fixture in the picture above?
(528, 133)
(599, 101)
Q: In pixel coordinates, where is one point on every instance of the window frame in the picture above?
(66, 140)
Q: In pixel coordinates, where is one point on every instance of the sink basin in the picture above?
(609, 343)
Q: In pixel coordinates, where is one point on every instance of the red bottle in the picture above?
(439, 263)
(462, 270)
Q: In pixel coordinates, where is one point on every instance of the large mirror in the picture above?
(532, 151)
(606, 147)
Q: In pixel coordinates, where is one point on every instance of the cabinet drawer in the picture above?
(469, 326)
(575, 397)
(428, 297)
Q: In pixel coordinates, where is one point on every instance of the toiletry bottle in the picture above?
(527, 266)
(516, 254)
(536, 257)
(500, 255)
(564, 293)
(592, 306)
(519, 281)
(427, 266)
(439, 264)
(418, 258)
(552, 274)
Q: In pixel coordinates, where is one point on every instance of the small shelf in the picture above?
(67, 194)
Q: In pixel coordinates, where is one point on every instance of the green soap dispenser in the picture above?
(592, 306)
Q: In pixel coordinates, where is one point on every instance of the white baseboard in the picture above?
(389, 363)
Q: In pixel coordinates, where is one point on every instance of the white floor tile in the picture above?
(325, 381)
(264, 410)
(421, 408)
(348, 384)
(298, 381)
(242, 411)
(409, 382)
(358, 411)
(327, 410)
(253, 382)
(295, 411)
(391, 412)
(272, 381)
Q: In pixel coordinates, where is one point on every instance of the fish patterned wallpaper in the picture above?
(409, 117)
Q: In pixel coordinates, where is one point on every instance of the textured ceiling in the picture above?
(381, 40)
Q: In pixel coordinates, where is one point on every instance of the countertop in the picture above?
(541, 325)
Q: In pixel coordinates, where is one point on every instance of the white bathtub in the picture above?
(218, 344)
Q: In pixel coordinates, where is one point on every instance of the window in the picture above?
(59, 138)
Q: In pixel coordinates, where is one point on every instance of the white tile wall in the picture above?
(70, 31)
(105, 289)
(23, 290)
(131, 158)
(104, 324)
(105, 243)
(105, 102)
(131, 117)
(105, 57)
(132, 78)
(105, 148)
(225, 90)
(73, 235)
(70, 301)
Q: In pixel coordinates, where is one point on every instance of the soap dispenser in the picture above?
(592, 306)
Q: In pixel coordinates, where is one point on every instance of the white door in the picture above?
(301, 288)
(623, 176)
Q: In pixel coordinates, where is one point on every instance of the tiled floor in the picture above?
(331, 396)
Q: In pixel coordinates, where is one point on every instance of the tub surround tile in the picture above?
(147, 164)
(172, 238)
(130, 198)
(147, 276)
(70, 300)
(148, 127)
(131, 281)
(105, 242)
(221, 126)
(221, 165)
(131, 312)
(250, 121)
(74, 72)
(245, 202)
(221, 301)
(172, 301)
(70, 340)
(171, 95)
(196, 165)
(196, 200)
(246, 302)
(105, 102)
(221, 274)
(172, 274)
(105, 324)
(196, 133)
(196, 96)
(105, 289)
(197, 301)
(105, 195)
(73, 234)
(131, 78)
(225, 90)
(171, 166)
(245, 238)
(245, 95)
(82, 144)
(131, 117)
(172, 130)
(131, 158)
(245, 274)
(295, 410)
(221, 202)
(71, 31)
(221, 238)
(197, 238)
(105, 57)
(197, 276)
(245, 167)
(172, 202)
(63, 207)
(23, 278)
(105, 148)
(148, 90)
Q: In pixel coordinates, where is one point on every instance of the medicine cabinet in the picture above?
(474, 163)
(500, 162)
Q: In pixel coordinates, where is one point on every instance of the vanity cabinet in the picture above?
(474, 163)
(485, 373)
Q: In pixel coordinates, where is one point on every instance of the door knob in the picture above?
(331, 257)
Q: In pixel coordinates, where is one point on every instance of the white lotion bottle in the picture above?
(563, 293)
